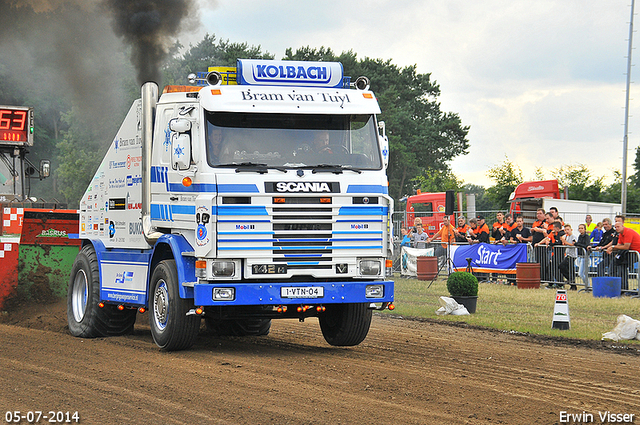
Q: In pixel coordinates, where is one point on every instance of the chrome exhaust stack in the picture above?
(149, 102)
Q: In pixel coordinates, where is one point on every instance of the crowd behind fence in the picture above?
(563, 265)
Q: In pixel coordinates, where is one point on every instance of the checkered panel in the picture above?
(7, 249)
(12, 220)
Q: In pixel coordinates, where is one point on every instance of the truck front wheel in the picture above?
(171, 328)
(84, 317)
(345, 324)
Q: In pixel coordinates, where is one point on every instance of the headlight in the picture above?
(369, 267)
(374, 291)
(223, 268)
(224, 294)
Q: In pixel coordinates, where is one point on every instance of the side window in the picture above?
(423, 210)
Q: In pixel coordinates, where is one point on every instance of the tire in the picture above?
(85, 318)
(345, 324)
(239, 327)
(171, 328)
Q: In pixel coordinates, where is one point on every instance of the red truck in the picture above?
(428, 206)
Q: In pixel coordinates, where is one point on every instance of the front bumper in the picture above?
(271, 293)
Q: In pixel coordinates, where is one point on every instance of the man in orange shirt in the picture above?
(461, 230)
(482, 232)
(447, 235)
(497, 230)
(628, 240)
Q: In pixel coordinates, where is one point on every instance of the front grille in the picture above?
(305, 232)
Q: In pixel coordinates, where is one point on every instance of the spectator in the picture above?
(590, 225)
(417, 221)
(554, 214)
(471, 232)
(447, 236)
(582, 245)
(567, 265)
(557, 255)
(538, 233)
(596, 234)
(628, 240)
(462, 229)
(419, 238)
(406, 237)
(520, 234)
(539, 227)
(552, 239)
(497, 230)
(482, 232)
(605, 242)
(550, 219)
(510, 224)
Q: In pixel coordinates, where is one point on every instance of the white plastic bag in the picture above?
(450, 306)
(627, 328)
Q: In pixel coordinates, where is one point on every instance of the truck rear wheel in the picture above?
(345, 324)
(84, 317)
(238, 327)
(171, 328)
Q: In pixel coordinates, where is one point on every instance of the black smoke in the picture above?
(150, 27)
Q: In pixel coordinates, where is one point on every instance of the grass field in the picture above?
(523, 310)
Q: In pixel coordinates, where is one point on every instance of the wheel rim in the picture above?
(79, 295)
(161, 305)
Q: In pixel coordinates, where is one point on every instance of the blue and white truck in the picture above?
(250, 196)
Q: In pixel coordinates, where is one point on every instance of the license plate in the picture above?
(302, 292)
(269, 269)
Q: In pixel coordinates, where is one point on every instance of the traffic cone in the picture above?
(561, 318)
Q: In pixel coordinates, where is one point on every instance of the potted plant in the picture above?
(463, 287)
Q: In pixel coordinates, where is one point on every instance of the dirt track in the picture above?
(405, 372)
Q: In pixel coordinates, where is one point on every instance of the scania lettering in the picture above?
(238, 200)
(303, 187)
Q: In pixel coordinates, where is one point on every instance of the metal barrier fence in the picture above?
(618, 264)
(560, 265)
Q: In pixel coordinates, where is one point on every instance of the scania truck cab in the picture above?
(239, 203)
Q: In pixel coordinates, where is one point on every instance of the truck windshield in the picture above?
(292, 140)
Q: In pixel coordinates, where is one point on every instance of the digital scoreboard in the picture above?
(16, 125)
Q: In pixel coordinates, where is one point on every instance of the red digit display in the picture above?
(16, 125)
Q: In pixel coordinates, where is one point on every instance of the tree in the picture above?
(507, 177)
(421, 136)
(206, 53)
(577, 178)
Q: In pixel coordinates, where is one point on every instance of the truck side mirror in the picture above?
(384, 143)
(45, 168)
(180, 143)
(180, 151)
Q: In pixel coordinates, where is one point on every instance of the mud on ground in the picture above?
(405, 372)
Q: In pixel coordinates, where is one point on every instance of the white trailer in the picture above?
(573, 212)
(240, 204)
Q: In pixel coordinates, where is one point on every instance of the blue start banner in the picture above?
(489, 258)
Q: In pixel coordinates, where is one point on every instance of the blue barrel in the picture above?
(608, 287)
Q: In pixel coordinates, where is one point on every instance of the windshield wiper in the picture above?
(256, 167)
(333, 168)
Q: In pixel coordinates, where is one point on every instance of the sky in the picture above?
(541, 83)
